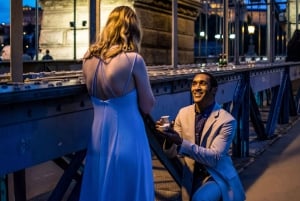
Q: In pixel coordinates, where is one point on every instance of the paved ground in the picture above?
(275, 174)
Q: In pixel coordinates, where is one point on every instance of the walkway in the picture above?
(275, 174)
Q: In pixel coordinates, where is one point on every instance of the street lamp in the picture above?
(251, 51)
(232, 40)
(202, 34)
(251, 29)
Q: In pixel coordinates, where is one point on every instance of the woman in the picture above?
(118, 163)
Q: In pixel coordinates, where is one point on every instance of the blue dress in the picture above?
(118, 164)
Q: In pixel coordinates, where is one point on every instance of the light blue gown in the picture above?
(118, 164)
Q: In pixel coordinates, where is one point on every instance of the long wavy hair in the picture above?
(122, 33)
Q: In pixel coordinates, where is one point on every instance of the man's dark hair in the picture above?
(213, 80)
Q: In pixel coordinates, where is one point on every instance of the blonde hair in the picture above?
(122, 33)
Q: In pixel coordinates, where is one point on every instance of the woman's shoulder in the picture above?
(91, 60)
(133, 55)
(129, 59)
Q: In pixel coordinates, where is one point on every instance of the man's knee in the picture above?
(210, 191)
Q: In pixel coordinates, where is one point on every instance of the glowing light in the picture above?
(251, 29)
(202, 33)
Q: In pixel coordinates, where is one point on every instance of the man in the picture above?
(47, 56)
(5, 56)
(203, 133)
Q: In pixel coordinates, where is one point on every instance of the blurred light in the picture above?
(251, 29)
(232, 36)
(202, 34)
(218, 36)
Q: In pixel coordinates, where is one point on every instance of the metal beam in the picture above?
(240, 111)
(174, 166)
(16, 40)
(225, 29)
(69, 174)
(256, 118)
(270, 31)
(275, 106)
(174, 34)
(94, 8)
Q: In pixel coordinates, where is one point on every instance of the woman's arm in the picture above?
(146, 98)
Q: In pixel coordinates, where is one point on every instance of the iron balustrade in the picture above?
(48, 118)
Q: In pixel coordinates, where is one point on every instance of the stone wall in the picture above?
(292, 17)
(156, 18)
(57, 33)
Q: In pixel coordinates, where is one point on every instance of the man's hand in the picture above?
(171, 135)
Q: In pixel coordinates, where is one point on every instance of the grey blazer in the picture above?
(218, 131)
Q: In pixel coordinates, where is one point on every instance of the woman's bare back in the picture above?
(114, 77)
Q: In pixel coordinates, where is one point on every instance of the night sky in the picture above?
(5, 9)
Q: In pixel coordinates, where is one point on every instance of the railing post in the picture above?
(20, 185)
(3, 188)
(276, 106)
(241, 105)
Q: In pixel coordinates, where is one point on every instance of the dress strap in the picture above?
(94, 83)
(127, 83)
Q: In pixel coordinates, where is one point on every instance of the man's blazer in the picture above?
(218, 133)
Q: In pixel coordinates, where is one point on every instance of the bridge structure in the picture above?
(48, 117)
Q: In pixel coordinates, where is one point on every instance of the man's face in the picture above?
(6, 53)
(202, 91)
